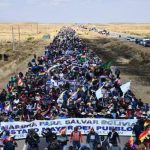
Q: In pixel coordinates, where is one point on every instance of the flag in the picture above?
(106, 65)
(60, 99)
(74, 96)
(146, 123)
(125, 87)
(53, 67)
(54, 82)
(144, 134)
(7, 108)
(62, 130)
(131, 141)
(99, 93)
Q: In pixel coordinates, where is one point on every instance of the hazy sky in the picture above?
(76, 11)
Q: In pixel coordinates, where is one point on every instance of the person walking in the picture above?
(113, 137)
(32, 140)
(63, 139)
(115, 147)
(93, 139)
(76, 138)
(49, 135)
(105, 144)
(3, 134)
(10, 143)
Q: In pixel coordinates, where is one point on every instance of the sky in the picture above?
(75, 11)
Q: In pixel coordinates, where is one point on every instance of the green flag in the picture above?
(106, 65)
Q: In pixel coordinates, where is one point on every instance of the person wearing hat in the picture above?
(92, 139)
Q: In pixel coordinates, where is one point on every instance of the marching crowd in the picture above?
(63, 84)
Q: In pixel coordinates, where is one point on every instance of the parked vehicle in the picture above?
(137, 41)
(147, 43)
(131, 39)
(143, 41)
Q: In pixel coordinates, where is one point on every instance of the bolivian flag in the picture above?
(144, 134)
(131, 141)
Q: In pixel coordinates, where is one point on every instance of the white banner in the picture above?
(101, 126)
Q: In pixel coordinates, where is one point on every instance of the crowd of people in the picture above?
(60, 142)
(63, 83)
(76, 141)
(93, 141)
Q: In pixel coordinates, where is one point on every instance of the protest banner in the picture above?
(101, 126)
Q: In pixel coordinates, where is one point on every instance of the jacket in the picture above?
(93, 137)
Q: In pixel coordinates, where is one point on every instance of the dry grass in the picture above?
(27, 30)
(30, 43)
(133, 29)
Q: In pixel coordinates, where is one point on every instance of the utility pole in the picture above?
(13, 39)
(19, 33)
(37, 28)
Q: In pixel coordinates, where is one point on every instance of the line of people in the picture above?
(64, 142)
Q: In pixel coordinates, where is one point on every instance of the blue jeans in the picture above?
(92, 146)
(76, 144)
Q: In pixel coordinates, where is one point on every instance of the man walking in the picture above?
(93, 139)
(76, 138)
(113, 137)
(32, 139)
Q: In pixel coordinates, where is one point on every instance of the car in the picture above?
(137, 41)
(147, 43)
(131, 39)
(128, 38)
(143, 41)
